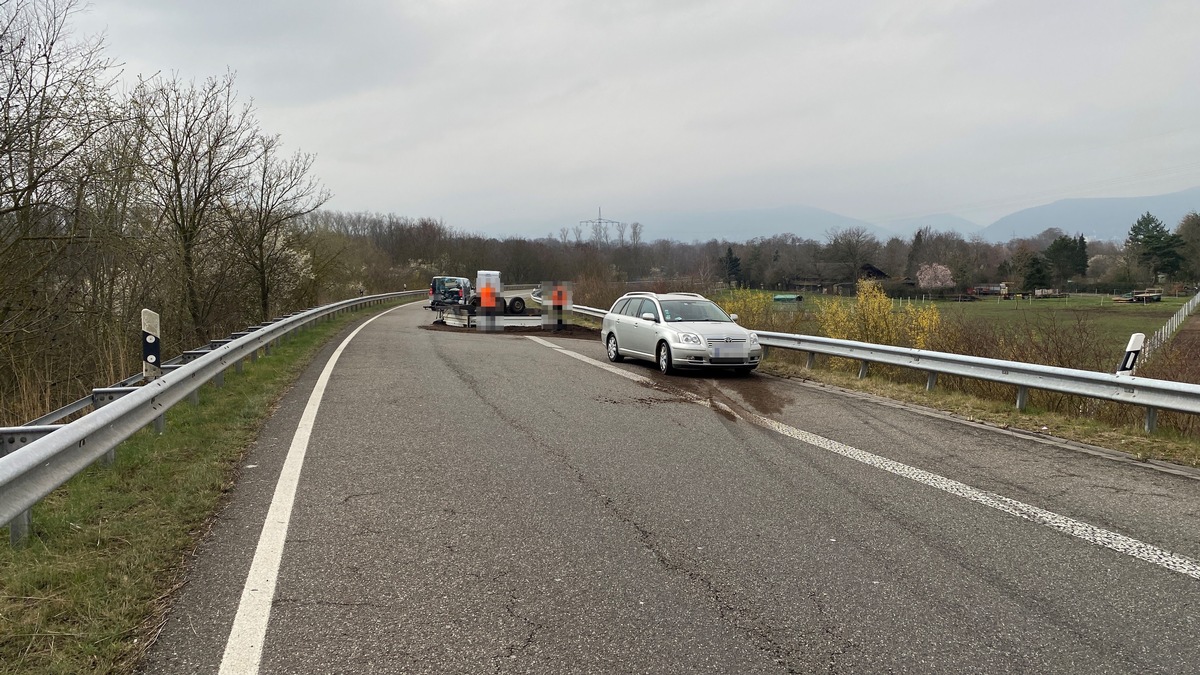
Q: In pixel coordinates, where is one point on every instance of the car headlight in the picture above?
(690, 339)
(754, 338)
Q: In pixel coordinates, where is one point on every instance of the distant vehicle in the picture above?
(1148, 295)
(678, 330)
(989, 289)
(447, 291)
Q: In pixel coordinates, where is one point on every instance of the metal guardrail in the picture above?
(1150, 393)
(48, 455)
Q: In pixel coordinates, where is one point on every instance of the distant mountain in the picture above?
(745, 224)
(938, 222)
(1099, 218)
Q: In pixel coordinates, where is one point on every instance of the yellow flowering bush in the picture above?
(871, 318)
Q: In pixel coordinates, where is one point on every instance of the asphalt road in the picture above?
(489, 503)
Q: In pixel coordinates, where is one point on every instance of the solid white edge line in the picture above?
(1075, 528)
(243, 649)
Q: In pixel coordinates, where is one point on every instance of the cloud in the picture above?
(484, 112)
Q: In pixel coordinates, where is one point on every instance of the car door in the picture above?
(643, 331)
(614, 318)
(627, 325)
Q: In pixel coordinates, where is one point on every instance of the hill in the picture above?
(1099, 218)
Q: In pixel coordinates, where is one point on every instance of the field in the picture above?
(1111, 323)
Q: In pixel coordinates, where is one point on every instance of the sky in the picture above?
(524, 116)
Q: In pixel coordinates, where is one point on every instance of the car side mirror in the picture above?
(647, 316)
(733, 316)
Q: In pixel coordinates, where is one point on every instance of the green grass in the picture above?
(107, 548)
(1115, 322)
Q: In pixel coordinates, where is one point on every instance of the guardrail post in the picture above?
(811, 361)
(160, 424)
(1022, 398)
(862, 369)
(219, 380)
(194, 397)
(930, 381)
(18, 529)
(12, 439)
(1151, 419)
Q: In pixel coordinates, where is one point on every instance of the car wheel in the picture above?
(517, 306)
(614, 354)
(664, 359)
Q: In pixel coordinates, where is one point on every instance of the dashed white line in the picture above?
(243, 649)
(1075, 528)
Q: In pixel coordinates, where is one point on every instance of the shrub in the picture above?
(871, 318)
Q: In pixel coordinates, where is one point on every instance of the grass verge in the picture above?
(1130, 438)
(88, 594)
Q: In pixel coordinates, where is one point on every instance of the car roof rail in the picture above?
(694, 295)
(642, 293)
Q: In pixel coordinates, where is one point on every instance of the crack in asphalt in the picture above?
(513, 649)
(356, 495)
(831, 634)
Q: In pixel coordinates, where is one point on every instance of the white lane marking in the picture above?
(1076, 528)
(243, 649)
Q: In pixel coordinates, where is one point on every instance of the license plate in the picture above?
(728, 351)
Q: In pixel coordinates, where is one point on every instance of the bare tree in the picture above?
(200, 144)
(635, 233)
(263, 221)
(853, 247)
(54, 101)
(621, 233)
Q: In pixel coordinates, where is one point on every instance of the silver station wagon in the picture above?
(678, 330)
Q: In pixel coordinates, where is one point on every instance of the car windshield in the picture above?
(692, 310)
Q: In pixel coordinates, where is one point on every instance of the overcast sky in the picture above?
(518, 117)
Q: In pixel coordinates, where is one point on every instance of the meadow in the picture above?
(1111, 322)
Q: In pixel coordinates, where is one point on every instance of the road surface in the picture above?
(495, 503)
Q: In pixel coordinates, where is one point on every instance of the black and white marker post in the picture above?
(151, 346)
(1136, 341)
(152, 356)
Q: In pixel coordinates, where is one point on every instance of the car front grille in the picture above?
(718, 341)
